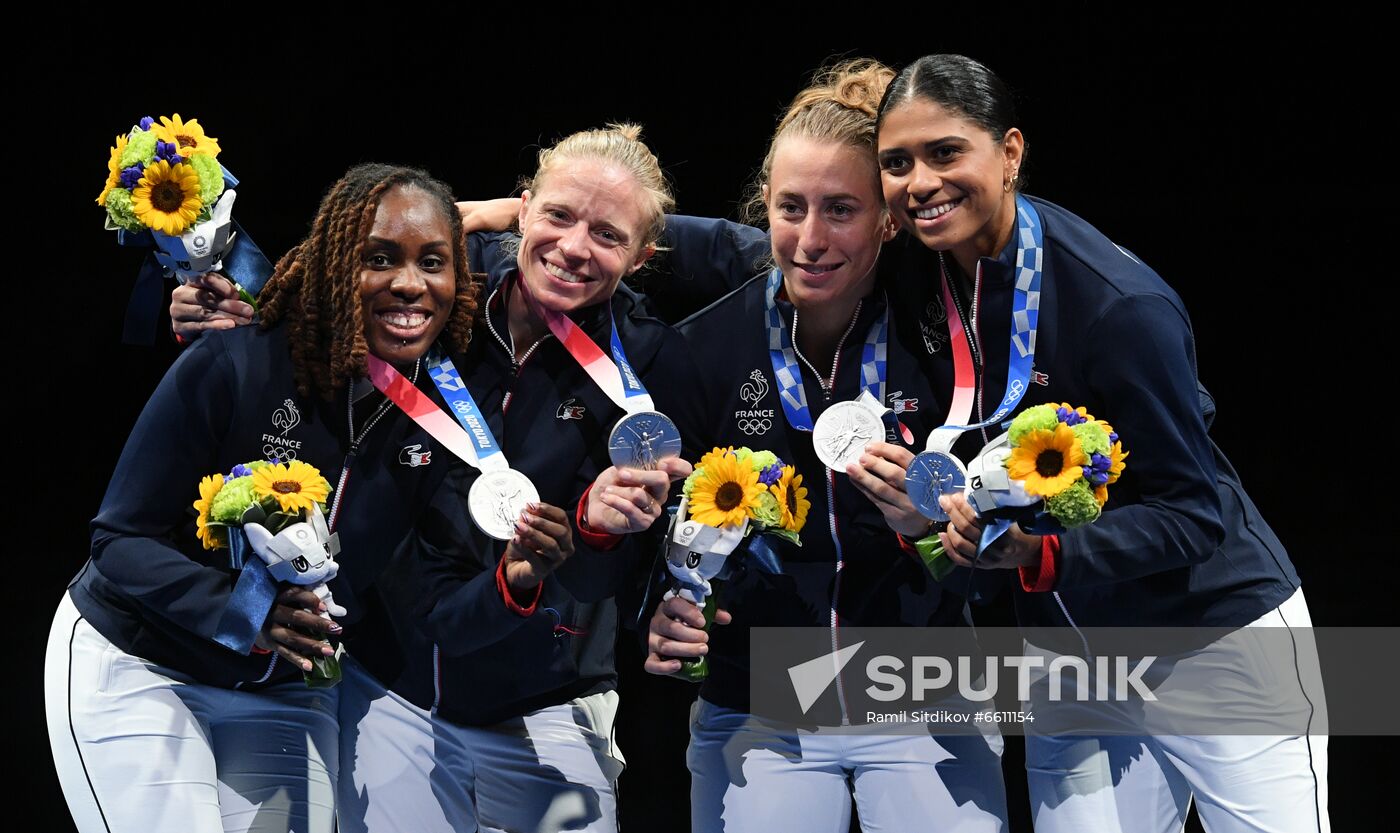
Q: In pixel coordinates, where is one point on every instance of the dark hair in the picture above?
(957, 83)
(315, 287)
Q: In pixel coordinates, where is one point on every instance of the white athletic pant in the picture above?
(406, 769)
(749, 777)
(1144, 784)
(143, 749)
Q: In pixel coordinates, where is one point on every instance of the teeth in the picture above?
(563, 274)
(936, 211)
(819, 270)
(404, 320)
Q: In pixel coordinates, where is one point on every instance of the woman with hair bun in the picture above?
(491, 703)
(1179, 542)
(155, 724)
(821, 317)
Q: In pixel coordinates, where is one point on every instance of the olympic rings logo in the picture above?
(755, 426)
(283, 454)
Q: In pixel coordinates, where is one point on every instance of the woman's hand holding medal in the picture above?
(543, 541)
(624, 500)
(879, 475)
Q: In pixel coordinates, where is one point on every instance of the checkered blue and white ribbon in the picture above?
(873, 364)
(1025, 320)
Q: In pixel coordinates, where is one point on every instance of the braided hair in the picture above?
(315, 287)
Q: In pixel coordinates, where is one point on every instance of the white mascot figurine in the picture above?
(988, 485)
(695, 553)
(201, 248)
(302, 554)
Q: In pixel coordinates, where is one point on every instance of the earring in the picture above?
(1010, 183)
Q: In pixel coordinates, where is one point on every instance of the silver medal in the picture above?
(843, 431)
(643, 439)
(932, 475)
(496, 500)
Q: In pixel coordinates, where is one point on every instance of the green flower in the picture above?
(211, 178)
(121, 213)
(1092, 438)
(232, 500)
(761, 460)
(140, 147)
(691, 480)
(1039, 418)
(1073, 507)
(767, 511)
(258, 464)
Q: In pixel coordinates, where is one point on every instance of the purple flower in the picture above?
(1068, 417)
(1112, 437)
(147, 122)
(131, 177)
(772, 474)
(1097, 470)
(168, 152)
(240, 470)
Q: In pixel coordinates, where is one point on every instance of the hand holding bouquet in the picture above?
(1049, 472)
(734, 496)
(276, 511)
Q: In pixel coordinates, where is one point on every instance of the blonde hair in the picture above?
(840, 105)
(620, 144)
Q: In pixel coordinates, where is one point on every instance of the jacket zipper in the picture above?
(515, 368)
(828, 385)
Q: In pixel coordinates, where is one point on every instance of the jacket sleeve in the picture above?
(492, 252)
(460, 608)
(147, 513)
(713, 257)
(1141, 366)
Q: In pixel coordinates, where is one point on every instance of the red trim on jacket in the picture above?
(503, 587)
(1042, 578)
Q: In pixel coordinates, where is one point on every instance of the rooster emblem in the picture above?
(755, 390)
(286, 417)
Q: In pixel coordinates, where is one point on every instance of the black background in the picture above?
(1245, 160)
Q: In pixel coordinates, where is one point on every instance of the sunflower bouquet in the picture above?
(1049, 472)
(163, 177)
(277, 511)
(734, 497)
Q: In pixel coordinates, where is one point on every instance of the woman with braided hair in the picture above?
(155, 725)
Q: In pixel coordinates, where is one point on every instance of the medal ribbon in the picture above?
(614, 376)
(469, 437)
(873, 366)
(1025, 318)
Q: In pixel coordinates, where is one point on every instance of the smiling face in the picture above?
(826, 220)
(581, 232)
(407, 279)
(944, 179)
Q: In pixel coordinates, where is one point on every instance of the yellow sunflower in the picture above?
(1117, 455)
(1101, 495)
(188, 136)
(114, 170)
(167, 197)
(792, 499)
(1047, 462)
(294, 484)
(208, 488)
(724, 490)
